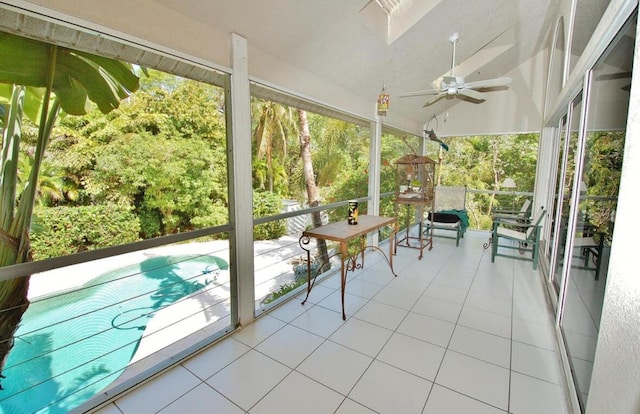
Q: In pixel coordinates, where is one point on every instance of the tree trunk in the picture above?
(496, 178)
(313, 196)
(14, 305)
(440, 160)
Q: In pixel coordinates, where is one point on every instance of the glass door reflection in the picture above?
(597, 181)
(566, 171)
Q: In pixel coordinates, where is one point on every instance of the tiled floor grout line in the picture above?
(513, 289)
(326, 338)
(433, 383)
(204, 381)
(294, 369)
(395, 330)
(456, 324)
(522, 288)
(375, 358)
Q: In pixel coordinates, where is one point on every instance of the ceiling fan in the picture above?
(452, 86)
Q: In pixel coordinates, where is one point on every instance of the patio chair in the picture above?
(449, 213)
(527, 240)
(591, 247)
(511, 218)
(522, 214)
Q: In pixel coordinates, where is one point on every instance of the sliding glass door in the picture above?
(564, 179)
(591, 219)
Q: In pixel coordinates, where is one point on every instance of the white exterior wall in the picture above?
(615, 382)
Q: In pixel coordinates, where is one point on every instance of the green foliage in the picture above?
(162, 152)
(216, 215)
(150, 223)
(602, 174)
(341, 162)
(275, 130)
(70, 80)
(76, 77)
(68, 230)
(284, 289)
(267, 204)
(340, 153)
(482, 163)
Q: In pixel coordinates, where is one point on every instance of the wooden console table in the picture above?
(342, 232)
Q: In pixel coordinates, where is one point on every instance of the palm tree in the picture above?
(274, 124)
(313, 195)
(46, 79)
(341, 146)
(51, 183)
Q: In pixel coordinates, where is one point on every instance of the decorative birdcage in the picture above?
(414, 190)
(414, 179)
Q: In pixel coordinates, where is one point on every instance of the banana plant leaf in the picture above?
(36, 80)
(32, 100)
(77, 75)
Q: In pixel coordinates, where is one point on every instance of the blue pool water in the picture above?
(70, 347)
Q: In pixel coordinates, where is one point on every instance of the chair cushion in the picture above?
(444, 217)
(585, 242)
(511, 234)
(441, 225)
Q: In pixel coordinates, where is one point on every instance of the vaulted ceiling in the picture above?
(401, 45)
(342, 53)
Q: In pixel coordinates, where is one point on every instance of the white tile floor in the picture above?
(453, 333)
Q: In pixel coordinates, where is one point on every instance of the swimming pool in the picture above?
(69, 347)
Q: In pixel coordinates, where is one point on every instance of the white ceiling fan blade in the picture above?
(434, 100)
(452, 85)
(478, 96)
(421, 93)
(489, 83)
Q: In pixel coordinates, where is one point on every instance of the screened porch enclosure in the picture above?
(166, 232)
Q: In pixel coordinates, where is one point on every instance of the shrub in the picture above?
(150, 223)
(267, 204)
(67, 230)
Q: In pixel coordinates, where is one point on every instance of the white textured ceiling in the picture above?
(342, 52)
(347, 42)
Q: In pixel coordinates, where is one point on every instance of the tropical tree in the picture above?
(66, 80)
(274, 124)
(342, 149)
(483, 162)
(313, 195)
(162, 153)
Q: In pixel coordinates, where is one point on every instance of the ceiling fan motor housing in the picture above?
(449, 82)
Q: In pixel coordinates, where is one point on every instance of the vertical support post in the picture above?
(374, 174)
(240, 186)
(419, 217)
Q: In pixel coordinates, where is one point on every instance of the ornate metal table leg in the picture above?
(393, 247)
(304, 241)
(344, 255)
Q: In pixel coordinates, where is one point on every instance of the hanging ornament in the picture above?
(383, 103)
